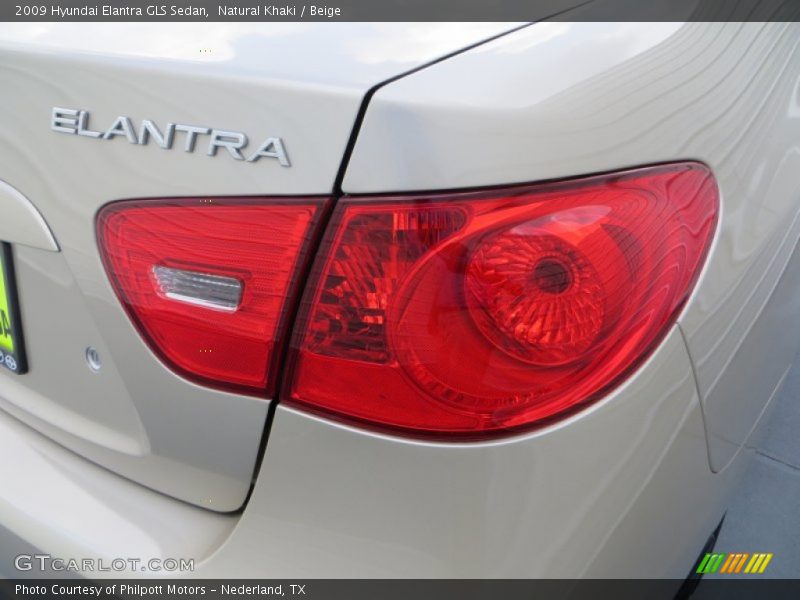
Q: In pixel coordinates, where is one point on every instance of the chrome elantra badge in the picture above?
(76, 122)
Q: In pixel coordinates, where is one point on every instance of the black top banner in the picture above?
(401, 10)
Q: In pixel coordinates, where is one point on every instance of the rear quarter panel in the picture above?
(563, 99)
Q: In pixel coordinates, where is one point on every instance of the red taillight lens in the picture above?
(480, 313)
(208, 281)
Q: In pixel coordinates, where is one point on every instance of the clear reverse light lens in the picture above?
(209, 282)
(200, 289)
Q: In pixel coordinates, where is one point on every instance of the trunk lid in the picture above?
(301, 84)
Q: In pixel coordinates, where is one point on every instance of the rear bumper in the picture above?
(54, 502)
(623, 489)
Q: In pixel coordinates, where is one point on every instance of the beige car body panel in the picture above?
(333, 501)
(135, 416)
(635, 483)
(22, 223)
(613, 96)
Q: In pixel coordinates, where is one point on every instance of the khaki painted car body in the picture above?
(634, 484)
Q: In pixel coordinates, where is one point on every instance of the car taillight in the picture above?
(483, 313)
(208, 281)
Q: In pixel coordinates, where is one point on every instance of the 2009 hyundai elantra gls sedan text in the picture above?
(386, 300)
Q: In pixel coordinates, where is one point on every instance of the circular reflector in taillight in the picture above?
(535, 295)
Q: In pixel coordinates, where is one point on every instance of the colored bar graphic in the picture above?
(727, 566)
(734, 562)
(711, 563)
(741, 562)
(764, 564)
(752, 563)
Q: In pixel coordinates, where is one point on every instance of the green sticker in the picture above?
(6, 337)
